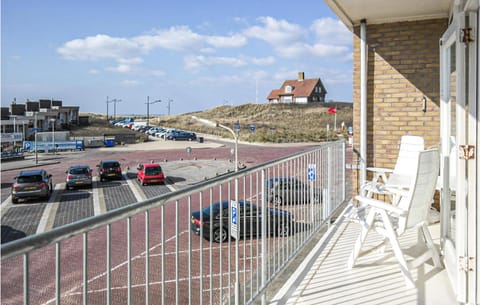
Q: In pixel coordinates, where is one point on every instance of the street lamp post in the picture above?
(216, 124)
(115, 101)
(35, 128)
(168, 106)
(53, 136)
(148, 108)
(14, 132)
(108, 102)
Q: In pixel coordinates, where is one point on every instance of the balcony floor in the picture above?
(323, 278)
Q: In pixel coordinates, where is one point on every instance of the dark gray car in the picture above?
(289, 190)
(32, 184)
(109, 169)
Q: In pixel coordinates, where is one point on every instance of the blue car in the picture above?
(181, 135)
(213, 222)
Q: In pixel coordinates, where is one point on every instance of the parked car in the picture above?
(208, 223)
(78, 175)
(163, 132)
(109, 169)
(148, 173)
(32, 184)
(181, 135)
(152, 131)
(290, 190)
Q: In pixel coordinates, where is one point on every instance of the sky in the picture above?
(190, 55)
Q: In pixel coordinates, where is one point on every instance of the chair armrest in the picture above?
(380, 205)
(394, 190)
(379, 169)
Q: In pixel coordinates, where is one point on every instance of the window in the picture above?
(288, 89)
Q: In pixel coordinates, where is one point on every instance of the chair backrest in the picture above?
(407, 154)
(418, 200)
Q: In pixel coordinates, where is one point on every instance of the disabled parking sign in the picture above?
(312, 172)
(234, 219)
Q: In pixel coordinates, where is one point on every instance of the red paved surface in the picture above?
(42, 266)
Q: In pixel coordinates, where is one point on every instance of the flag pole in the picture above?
(335, 121)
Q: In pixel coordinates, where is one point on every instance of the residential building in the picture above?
(299, 91)
(23, 119)
(416, 72)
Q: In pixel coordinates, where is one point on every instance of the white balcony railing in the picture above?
(149, 252)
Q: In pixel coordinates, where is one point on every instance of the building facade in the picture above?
(299, 91)
(416, 72)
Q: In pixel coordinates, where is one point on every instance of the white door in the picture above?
(452, 103)
(460, 142)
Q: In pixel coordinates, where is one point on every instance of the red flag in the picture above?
(332, 110)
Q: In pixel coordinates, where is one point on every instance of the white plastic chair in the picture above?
(401, 175)
(410, 213)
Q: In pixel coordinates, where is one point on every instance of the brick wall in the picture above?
(403, 68)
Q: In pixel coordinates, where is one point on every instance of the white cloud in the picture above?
(130, 61)
(291, 40)
(276, 31)
(329, 30)
(128, 52)
(197, 62)
(121, 68)
(234, 41)
(130, 83)
(98, 47)
(264, 61)
(93, 71)
(179, 38)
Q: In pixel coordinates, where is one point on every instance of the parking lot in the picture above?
(170, 238)
(203, 161)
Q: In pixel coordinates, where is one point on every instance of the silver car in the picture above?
(78, 175)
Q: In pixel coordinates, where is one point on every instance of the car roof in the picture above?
(79, 166)
(32, 172)
(109, 161)
(151, 165)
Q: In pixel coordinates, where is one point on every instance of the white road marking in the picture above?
(135, 187)
(98, 198)
(48, 216)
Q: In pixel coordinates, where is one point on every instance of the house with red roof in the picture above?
(299, 91)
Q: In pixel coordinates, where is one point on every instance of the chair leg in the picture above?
(431, 246)
(392, 237)
(366, 225)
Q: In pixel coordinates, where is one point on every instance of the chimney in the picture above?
(301, 76)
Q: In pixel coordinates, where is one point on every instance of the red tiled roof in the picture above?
(274, 94)
(302, 88)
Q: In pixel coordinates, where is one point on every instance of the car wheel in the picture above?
(277, 200)
(283, 229)
(14, 200)
(220, 235)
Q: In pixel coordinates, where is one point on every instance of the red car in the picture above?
(148, 173)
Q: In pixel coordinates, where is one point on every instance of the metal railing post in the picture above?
(264, 240)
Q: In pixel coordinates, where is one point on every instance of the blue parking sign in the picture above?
(312, 172)
(234, 215)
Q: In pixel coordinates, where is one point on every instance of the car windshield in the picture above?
(151, 171)
(78, 171)
(29, 179)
